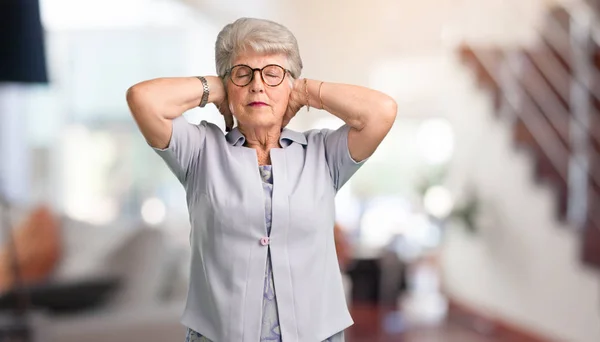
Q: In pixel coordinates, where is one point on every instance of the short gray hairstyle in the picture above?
(258, 35)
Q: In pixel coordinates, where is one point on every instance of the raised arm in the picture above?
(155, 103)
(369, 113)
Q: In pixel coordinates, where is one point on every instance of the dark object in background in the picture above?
(22, 53)
(365, 275)
(66, 297)
(378, 281)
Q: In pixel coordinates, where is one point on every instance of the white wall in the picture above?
(523, 265)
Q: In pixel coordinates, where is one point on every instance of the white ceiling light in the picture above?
(153, 211)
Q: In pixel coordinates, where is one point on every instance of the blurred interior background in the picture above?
(477, 219)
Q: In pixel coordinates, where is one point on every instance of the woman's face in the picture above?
(257, 104)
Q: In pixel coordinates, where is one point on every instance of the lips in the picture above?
(257, 104)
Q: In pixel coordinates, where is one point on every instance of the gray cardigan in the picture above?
(229, 246)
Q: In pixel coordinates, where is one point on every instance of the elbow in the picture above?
(390, 107)
(133, 95)
(138, 100)
(389, 110)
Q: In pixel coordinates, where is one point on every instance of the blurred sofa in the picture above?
(148, 299)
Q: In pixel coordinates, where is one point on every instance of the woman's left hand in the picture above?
(295, 102)
(225, 110)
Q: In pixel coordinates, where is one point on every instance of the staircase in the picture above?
(550, 94)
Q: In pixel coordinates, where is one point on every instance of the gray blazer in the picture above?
(229, 246)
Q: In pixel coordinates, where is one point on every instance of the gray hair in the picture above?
(258, 35)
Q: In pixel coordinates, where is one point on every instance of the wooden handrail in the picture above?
(539, 127)
(559, 79)
(542, 95)
(557, 74)
(554, 36)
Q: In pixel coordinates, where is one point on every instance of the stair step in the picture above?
(545, 172)
(591, 244)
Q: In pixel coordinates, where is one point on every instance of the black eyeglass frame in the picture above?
(260, 70)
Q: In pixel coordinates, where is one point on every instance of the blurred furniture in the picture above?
(145, 275)
(365, 275)
(31, 250)
(380, 280)
(66, 297)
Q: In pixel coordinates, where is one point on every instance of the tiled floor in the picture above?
(376, 325)
(421, 318)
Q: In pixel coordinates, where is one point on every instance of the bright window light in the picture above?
(153, 211)
(438, 201)
(435, 140)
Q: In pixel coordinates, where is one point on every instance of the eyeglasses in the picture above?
(272, 75)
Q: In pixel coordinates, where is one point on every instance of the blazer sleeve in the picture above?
(182, 153)
(341, 165)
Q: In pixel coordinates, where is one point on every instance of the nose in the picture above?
(257, 85)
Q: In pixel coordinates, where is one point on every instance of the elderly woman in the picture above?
(261, 197)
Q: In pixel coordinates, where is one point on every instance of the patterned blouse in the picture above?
(270, 318)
